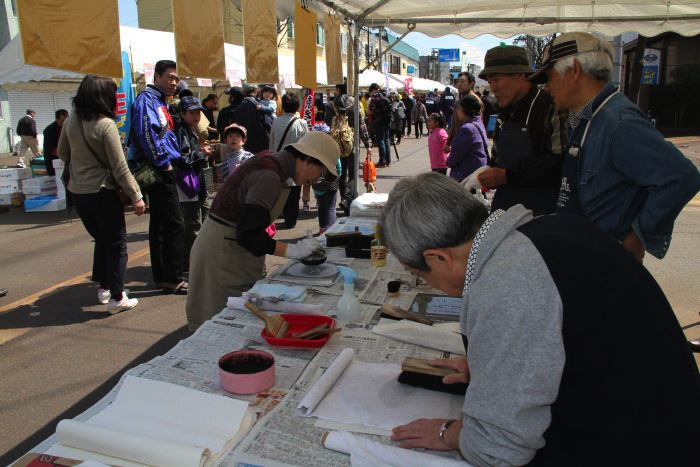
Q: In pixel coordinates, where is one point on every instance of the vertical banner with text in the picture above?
(125, 97)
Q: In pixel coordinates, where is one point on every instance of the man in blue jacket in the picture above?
(619, 171)
(154, 140)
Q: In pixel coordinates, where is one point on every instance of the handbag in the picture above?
(123, 197)
(144, 174)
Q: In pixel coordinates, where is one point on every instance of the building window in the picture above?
(343, 42)
(319, 35)
(290, 28)
(394, 64)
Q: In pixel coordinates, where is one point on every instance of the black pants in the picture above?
(291, 208)
(347, 175)
(407, 126)
(441, 171)
(166, 230)
(103, 217)
(419, 125)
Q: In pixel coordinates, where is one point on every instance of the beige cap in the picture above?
(566, 45)
(321, 147)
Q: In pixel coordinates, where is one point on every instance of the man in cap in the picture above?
(529, 140)
(619, 171)
(248, 116)
(235, 97)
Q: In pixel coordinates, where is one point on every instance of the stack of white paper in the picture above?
(156, 423)
(421, 334)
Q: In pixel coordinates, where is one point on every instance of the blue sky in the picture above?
(476, 48)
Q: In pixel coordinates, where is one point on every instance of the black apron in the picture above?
(514, 145)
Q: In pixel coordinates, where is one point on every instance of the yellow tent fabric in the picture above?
(334, 59)
(74, 35)
(199, 38)
(304, 47)
(260, 38)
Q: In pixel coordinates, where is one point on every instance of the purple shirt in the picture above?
(468, 150)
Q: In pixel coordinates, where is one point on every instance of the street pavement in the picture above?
(60, 351)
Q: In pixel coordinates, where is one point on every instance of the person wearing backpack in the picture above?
(380, 116)
(398, 109)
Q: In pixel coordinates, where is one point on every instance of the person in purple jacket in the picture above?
(469, 146)
(154, 142)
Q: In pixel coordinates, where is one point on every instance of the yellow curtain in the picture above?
(260, 38)
(199, 38)
(74, 35)
(351, 64)
(304, 47)
(334, 58)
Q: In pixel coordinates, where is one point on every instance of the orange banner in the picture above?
(199, 38)
(304, 47)
(334, 57)
(72, 35)
(260, 38)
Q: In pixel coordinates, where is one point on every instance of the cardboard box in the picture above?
(9, 186)
(44, 203)
(42, 181)
(45, 190)
(5, 199)
(15, 174)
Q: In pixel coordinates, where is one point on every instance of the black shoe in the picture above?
(3, 292)
(694, 345)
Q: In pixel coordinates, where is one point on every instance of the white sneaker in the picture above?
(124, 304)
(104, 294)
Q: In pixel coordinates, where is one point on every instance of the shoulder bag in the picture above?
(286, 130)
(123, 197)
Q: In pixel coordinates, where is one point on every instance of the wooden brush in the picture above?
(420, 373)
(396, 312)
(275, 326)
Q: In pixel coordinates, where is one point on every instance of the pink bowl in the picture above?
(246, 371)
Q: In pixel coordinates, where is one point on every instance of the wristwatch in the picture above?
(443, 429)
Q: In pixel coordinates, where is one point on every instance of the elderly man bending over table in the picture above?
(547, 303)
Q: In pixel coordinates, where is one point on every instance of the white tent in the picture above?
(368, 77)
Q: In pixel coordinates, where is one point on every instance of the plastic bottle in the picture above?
(348, 307)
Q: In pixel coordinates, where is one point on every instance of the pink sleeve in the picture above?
(443, 136)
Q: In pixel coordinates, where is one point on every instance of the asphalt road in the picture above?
(60, 351)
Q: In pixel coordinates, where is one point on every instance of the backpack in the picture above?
(343, 134)
(382, 109)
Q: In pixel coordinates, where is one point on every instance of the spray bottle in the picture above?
(348, 306)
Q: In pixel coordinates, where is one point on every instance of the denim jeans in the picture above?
(383, 138)
(166, 230)
(103, 217)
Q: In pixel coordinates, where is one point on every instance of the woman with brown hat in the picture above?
(229, 253)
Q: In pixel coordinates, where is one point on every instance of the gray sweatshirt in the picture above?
(513, 323)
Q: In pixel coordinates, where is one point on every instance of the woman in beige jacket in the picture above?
(90, 143)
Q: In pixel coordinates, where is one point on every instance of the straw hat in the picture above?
(321, 147)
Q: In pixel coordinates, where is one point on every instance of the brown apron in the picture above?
(220, 267)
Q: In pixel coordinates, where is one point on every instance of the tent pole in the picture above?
(539, 20)
(355, 184)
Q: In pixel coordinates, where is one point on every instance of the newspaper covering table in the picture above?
(280, 437)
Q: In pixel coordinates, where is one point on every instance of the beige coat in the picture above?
(86, 173)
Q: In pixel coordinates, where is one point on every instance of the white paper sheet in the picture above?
(319, 390)
(422, 334)
(365, 452)
(156, 423)
(238, 303)
(369, 394)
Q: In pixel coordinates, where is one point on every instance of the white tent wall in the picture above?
(45, 103)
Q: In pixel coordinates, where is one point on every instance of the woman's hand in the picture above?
(492, 177)
(139, 207)
(425, 433)
(458, 364)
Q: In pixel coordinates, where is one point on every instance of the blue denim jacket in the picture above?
(629, 177)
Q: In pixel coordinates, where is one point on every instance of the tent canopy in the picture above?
(507, 18)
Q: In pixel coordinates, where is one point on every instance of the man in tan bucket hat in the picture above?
(229, 252)
(529, 140)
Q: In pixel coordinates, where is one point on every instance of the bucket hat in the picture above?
(566, 45)
(508, 60)
(321, 147)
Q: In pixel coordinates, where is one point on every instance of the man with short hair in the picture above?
(529, 140)
(619, 171)
(380, 115)
(154, 141)
(546, 303)
(26, 130)
(51, 135)
(210, 104)
(465, 85)
(248, 116)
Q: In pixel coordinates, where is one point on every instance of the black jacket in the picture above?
(248, 116)
(26, 126)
